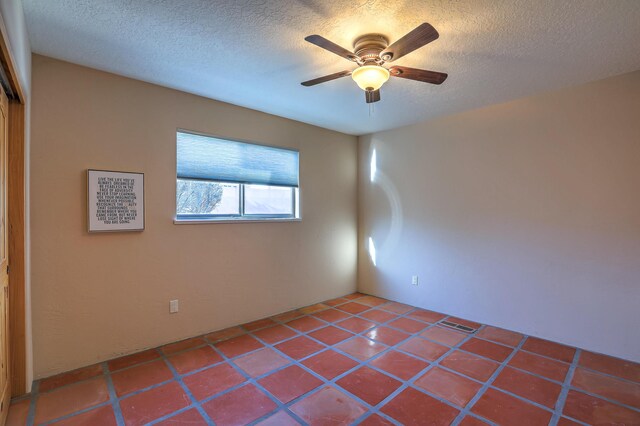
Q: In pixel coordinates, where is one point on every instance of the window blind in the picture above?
(205, 157)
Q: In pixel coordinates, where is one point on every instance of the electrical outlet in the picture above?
(173, 306)
(414, 280)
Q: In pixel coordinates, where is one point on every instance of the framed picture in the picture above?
(115, 201)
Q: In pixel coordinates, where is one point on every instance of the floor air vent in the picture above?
(457, 326)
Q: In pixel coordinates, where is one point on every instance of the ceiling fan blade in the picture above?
(331, 47)
(326, 78)
(415, 39)
(372, 96)
(425, 76)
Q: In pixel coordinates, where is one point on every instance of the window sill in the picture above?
(229, 220)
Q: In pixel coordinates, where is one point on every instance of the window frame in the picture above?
(296, 202)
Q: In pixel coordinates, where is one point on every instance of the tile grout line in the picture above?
(396, 316)
(255, 380)
(299, 363)
(35, 390)
(488, 383)
(516, 349)
(186, 390)
(562, 398)
(225, 359)
(431, 364)
(374, 409)
(113, 398)
(457, 347)
(604, 398)
(112, 395)
(437, 362)
(326, 382)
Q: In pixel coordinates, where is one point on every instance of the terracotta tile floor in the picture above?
(352, 360)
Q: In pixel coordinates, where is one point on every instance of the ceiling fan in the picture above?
(371, 52)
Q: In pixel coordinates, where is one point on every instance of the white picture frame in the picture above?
(115, 201)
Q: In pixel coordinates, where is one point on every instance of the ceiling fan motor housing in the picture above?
(368, 48)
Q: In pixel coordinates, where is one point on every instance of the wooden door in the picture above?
(5, 388)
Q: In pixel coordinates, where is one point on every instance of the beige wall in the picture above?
(524, 215)
(100, 295)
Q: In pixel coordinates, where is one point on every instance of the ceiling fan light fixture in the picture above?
(370, 77)
(371, 52)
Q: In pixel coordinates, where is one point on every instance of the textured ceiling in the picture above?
(252, 52)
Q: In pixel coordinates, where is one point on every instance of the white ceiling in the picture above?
(252, 52)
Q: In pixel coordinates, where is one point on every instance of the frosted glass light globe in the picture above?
(370, 77)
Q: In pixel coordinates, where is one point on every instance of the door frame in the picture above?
(16, 220)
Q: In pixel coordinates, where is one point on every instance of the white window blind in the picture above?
(208, 158)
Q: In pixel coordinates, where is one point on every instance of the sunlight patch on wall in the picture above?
(372, 251)
(373, 165)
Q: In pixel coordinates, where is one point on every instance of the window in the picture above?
(220, 179)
